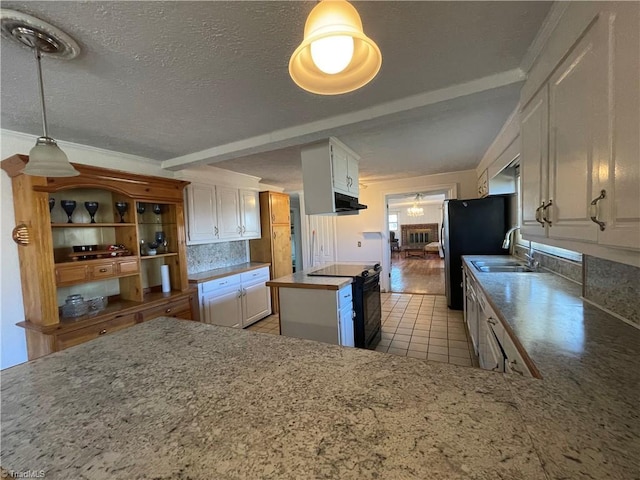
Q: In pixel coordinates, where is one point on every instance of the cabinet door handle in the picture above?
(215, 231)
(274, 235)
(593, 210)
(239, 293)
(168, 310)
(239, 229)
(273, 217)
(538, 214)
(353, 314)
(103, 270)
(491, 321)
(243, 229)
(544, 212)
(102, 332)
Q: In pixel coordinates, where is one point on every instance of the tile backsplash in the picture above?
(614, 286)
(201, 258)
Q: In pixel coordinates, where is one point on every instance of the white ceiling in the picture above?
(188, 83)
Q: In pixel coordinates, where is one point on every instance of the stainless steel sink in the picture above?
(498, 266)
(506, 268)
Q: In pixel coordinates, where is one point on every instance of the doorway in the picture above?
(416, 264)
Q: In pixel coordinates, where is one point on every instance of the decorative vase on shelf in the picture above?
(52, 202)
(68, 206)
(92, 208)
(122, 208)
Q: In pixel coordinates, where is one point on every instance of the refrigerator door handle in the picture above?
(441, 240)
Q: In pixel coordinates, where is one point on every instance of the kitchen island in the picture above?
(170, 399)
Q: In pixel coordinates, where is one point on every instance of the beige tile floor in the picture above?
(270, 324)
(419, 326)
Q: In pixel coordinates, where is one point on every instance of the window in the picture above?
(393, 221)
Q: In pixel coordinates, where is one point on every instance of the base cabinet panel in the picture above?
(256, 303)
(223, 309)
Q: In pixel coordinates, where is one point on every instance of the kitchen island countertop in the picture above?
(302, 280)
(170, 399)
(177, 399)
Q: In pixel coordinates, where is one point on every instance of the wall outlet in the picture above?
(359, 244)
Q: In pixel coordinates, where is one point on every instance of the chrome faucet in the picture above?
(532, 263)
(507, 238)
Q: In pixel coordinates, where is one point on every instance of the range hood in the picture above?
(346, 205)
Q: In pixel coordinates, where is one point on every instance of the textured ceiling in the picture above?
(164, 79)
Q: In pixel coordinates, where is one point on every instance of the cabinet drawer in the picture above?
(128, 266)
(255, 276)
(180, 308)
(221, 283)
(69, 274)
(102, 270)
(345, 297)
(82, 335)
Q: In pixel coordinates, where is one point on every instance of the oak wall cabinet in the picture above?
(275, 245)
(124, 267)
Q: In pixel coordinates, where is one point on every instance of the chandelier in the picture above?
(415, 210)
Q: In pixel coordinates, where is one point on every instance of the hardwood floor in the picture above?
(417, 274)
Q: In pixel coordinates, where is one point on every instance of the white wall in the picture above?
(369, 226)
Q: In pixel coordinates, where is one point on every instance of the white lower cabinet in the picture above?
(318, 314)
(256, 296)
(492, 342)
(236, 300)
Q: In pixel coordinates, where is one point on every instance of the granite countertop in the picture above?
(208, 275)
(227, 403)
(583, 415)
(171, 398)
(302, 280)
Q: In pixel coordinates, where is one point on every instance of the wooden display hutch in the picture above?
(130, 278)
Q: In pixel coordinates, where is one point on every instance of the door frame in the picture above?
(450, 191)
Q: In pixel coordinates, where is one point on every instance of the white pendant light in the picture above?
(335, 56)
(46, 159)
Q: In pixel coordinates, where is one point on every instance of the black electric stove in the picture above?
(366, 300)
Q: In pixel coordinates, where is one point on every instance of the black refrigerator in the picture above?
(471, 227)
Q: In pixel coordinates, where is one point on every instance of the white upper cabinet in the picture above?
(249, 214)
(201, 214)
(328, 168)
(534, 164)
(580, 136)
(579, 129)
(228, 212)
(619, 172)
(220, 213)
(345, 170)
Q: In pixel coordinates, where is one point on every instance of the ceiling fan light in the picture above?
(46, 159)
(328, 20)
